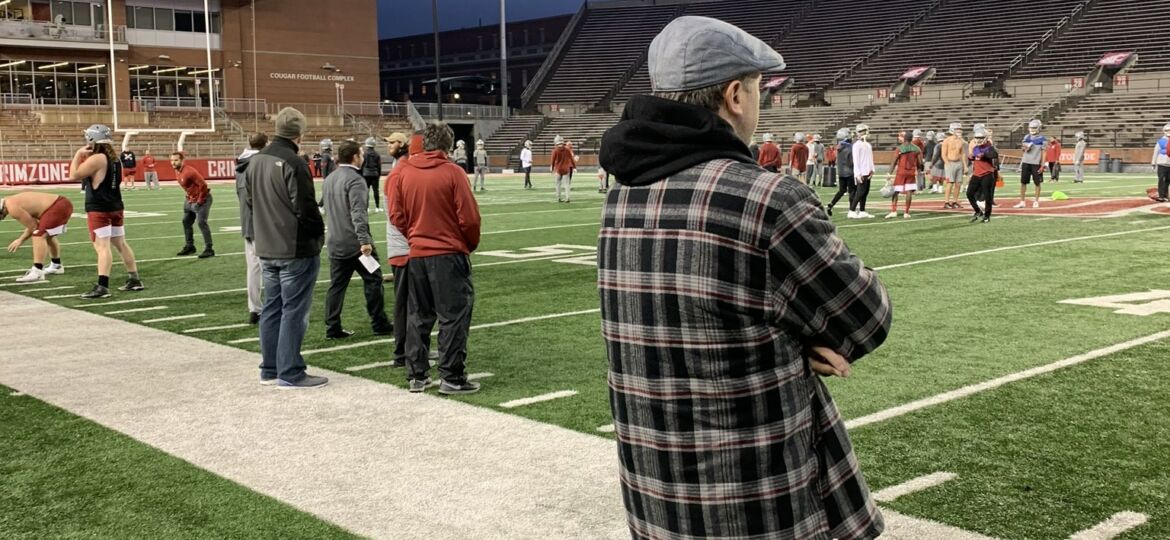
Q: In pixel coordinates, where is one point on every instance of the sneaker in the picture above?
(851, 215)
(986, 219)
(976, 217)
(906, 215)
(340, 335)
(207, 253)
(455, 389)
(308, 381)
(1036, 204)
(420, 385)
(268, 381)
(97, 292)
(892, 215)
(388, 331)
(32, 276)
(865, 215)
(132, 284)
(187, 250)
(1021, 204)
(829, 210)
(253, 318)
(54, 269)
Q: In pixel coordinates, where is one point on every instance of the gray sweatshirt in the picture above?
(1079, 153)
(346, 198)
(481, 158)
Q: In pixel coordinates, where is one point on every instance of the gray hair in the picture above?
(438, 136)
(709, 97)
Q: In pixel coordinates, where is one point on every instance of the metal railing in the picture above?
(59, 32)
(243, 105)
(453, 110)
(16, 100)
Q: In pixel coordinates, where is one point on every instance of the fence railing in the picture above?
(24, 151)
(243, 105)
(455, 110)
(16, 100)
(59, 32)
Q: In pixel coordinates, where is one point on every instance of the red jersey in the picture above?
(148, 162)
(831, 155)
(769, 155)
(562, 160)
(908, 158)
(798, 157)
(1053, 154)
(193, 183)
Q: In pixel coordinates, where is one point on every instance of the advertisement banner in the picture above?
(1092, 157)
(774, 82)
(914, 72)
(21, 173)
(1114, 59)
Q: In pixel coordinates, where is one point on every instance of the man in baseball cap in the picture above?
(711, 268)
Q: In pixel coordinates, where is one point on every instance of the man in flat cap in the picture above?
(725, 295)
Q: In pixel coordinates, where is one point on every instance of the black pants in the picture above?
(1054, 168)
(982, 188)
(401, 315)
(771, 168)
(340, 272)
(860, 195)
(372, 182)
(197, 212)
(1163, 181)
(845, 185)
(440, 288)
(528, 177)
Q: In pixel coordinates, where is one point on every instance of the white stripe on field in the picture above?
(135, 310)
(913, 486)
(903, 527)
(60, 296)
(21, 284)
(244, 340)
(478, 376)
(119, 261)
(1020, 246)
(969, 390)
(1117, 524)
(538, 399)
(376, 365)
(475, 327)
(593, 223)
(49, 289)
(175, 318)
(215, 328)
(608, 428)
(188, 295)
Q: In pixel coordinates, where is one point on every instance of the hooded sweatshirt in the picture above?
(242, 193)
(397, 248)
(433, 206)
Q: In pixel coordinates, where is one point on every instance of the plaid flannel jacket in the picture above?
(712, 284)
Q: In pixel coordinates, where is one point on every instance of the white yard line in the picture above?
(538, 399)
(478, 376)
(1114, 526)
(215, 328)
(135, 310)
(49, 289)
(973, 389)
(1020, 246)
(913, 486)
(22, 284)
(474, 327)
(119, 261)
(175, 318)
(608, 428)
(245, 340)
(550, 227)
(60, 296)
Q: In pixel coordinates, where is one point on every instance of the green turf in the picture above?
(957, 321)
(65, 477)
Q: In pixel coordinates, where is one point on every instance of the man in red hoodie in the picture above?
(798, 158)
(433, 206)
(769, 154)
(562, 167)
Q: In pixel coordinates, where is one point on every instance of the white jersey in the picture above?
(525, 158)
(862, 159)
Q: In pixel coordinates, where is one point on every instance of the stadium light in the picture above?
(139, 68)
(92, 68)
(16, 63)
(438, 75)
(168, 70)
(54, 66)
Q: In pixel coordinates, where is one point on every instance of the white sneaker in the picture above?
(1021, 204)
(852, 215)
(892, 215)
(1036, 203)
(32, 276)
(906, 215)
(55, 269)
(864, 215)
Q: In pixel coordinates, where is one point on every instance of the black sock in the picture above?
(57, 262)
(104, 281)
(39, 266)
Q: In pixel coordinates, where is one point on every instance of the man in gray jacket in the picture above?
(288, 233)
(345, 196)
(256, 143)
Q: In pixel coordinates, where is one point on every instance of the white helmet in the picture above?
(326, 144)
(955, 126)
(370, 142)
(479, 142)
(527, 144)
(842, 134)
(940, 137)
(768, 137)
(558, 140)
(980, 132)
(916, 134)
(1164, 128)
(1035, 124)
(817, 137)
(862, 127)
(460, 144)
(1081, 134)
(979, 126)
(930, 135)
(798, 137)
(98, 134)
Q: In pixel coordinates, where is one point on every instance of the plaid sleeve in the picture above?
(819, 289)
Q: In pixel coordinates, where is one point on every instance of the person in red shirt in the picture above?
(433, 206)
(984, 158)
(1052, 156)
(562, 167)
(798, 158)
(195, 208)
(907, 162)
(769, 154)
(151, 173)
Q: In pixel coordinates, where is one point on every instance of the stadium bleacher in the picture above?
(1118, 120)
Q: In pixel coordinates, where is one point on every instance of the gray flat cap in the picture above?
(697, 52)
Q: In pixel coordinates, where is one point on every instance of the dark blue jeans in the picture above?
(288, 295)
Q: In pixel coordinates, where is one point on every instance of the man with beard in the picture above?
(752, 271)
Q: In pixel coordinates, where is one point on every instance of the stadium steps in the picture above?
(552, 62)
(1046, 42)
(892, 39)
(1105, 26)
(641, 65)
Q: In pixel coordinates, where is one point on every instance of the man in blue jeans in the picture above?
(288, 233)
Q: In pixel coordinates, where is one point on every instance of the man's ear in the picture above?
(733, 97)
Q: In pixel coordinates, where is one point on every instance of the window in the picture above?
(525, 37)
(183, 21)
(542, 35)
(82, 14)
(216, 25)
(64, 9)
(200, 21)
(164, 19)
(130, 17)
(144, 17)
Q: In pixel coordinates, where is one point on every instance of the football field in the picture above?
(1024, 377)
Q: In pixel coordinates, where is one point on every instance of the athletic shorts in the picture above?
(128, 173)
(906, 183)
(1031, 173)
(105, 224)
(53, 220)
(954, 172)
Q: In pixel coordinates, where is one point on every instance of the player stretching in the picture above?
(44, 216)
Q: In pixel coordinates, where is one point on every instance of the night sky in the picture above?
(397, 18)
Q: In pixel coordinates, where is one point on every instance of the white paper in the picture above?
(369, 262)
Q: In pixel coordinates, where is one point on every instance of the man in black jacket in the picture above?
(372, 170)
(288, 235)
